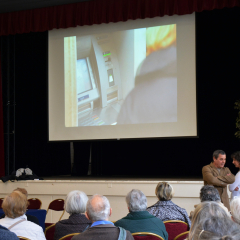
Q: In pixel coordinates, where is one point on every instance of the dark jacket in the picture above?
(5, 234)
(102, 232)
(143, 221)
(76, 223)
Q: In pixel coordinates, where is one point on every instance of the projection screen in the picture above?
(133, 79)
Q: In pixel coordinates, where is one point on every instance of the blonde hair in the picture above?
(22, 190)
(164, 191)
(15, 204)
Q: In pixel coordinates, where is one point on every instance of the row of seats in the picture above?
(137, 236)
(176, 230)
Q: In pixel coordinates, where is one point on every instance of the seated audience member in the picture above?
(139, 219)
(98, 211)
(204, 211)
(214, 228)
(235, 209)
(165, 209)
(14, 206)
(75, 205)
(209, 193)
(5, 234)
(29, 217)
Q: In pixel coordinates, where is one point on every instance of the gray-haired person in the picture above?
(235, 209)
(98, 211)
(217, 228)
(203, 212)
(209, 193)
(75, 205)
(138, 218)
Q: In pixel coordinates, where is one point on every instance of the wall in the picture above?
(186, 193)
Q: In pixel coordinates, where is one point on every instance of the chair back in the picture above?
(49, 232)
(57, 205)
(175, 227)
(182, 236)
(69, 236)
(23, 238)
(34, 203)
(146, 236)
(1, 201)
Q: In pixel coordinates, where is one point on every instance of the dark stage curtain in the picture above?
(2, 163)
(95, 12)
(101, 11)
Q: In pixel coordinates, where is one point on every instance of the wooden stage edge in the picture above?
(120, 178)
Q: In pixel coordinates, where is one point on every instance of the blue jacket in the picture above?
(6, 234)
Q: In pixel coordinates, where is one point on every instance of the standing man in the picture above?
(219, 176)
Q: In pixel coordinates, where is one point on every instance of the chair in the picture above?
(147, 236)
(1, 201)
(182, 236)
(69, 236)
(49, 232)
(34, 203)
(175, 227)
(57, 205)
(23, 238)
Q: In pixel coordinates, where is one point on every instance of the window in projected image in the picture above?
(123, 77)
(83, 76)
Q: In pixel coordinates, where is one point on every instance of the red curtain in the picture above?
(2, 162)
(101, 11)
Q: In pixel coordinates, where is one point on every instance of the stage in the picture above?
(115, 189)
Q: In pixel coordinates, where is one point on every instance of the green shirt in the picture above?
(143, 221)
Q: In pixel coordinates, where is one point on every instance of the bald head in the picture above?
(98, 208)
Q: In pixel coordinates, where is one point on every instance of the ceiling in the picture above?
(18, 5)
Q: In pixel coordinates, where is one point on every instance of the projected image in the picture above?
(124, 77)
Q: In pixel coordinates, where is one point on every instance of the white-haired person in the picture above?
(235, 209)
(14, 206)
(98, 210)
(165, 209)
(217, 228)
(138, 218)
(75, 205)
(202, 213)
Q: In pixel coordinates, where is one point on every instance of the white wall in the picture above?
(186, 193)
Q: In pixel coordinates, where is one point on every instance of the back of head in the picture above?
(75, 202)
(217, 228)
(164, 191)
(136, 201)
(204, 211)
(235, 209)
(15, 204)
(209, 193)
(98, 208)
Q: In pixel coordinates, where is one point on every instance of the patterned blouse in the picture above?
(167, 210)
